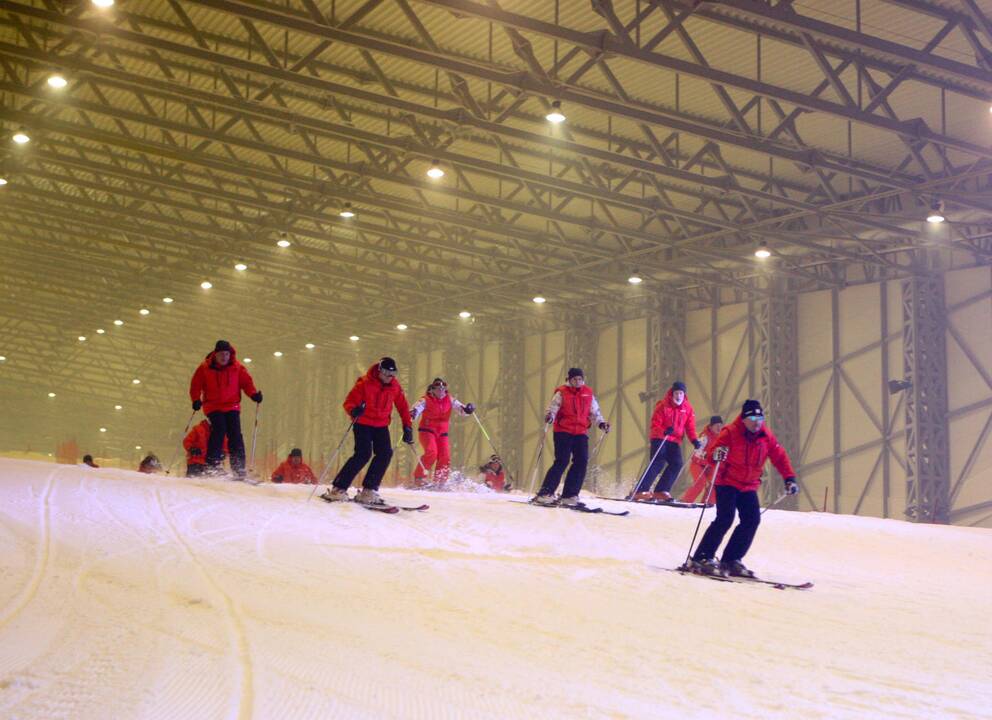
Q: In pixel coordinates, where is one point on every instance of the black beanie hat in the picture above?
(296, 452)
(752, 408)
(575, 372)
(387, 363)
(222, 345)
(716, 419)
(678, 385)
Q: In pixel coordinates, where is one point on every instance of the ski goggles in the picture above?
(439, 382)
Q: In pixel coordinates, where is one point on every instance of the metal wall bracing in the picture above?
(510, 404)
(925, 366)
(544, 370)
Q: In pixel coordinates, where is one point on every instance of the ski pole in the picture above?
(175, 453)
(327, 467)
(699, 522)
(637, 485)
(254, 439)
(537, 458)
(775, 502)
(417, 458)
(491, 444)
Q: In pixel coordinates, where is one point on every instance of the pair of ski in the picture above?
(383, 508)
(581, 507)
(683, 570)
(665, 503)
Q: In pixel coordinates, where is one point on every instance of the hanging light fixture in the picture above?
(435, 172)
(635, 279)
(762, 253)
(21, 137)
(57, 81)
(555, 116)
(936, 214)
(346, 211)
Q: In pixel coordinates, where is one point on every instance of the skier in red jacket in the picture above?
(216, 387)
(494, 474)
(434, 410)
(672, 418)
(698, 465)
(195, 444)
(370, 405)
(573, 409)
(293, 470)
(741, 449)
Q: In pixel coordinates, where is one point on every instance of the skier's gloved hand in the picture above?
(408, 435)
(469, 408)
(195, 452)
(669, 430)
(277, 479)
(358, 410)
(604, 426)
(791, 486)
(696, 444)
(197, 404)
(549, 418)
(720, 454)
(257, 397)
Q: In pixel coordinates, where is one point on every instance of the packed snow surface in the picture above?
(134, 596)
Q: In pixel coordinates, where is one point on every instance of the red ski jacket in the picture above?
(578, 407)
(746, 456)
(197, 438)
(681, 418)
(436, 415)
(287, 472)
(220, 387)
(379, 400)
(706, 440)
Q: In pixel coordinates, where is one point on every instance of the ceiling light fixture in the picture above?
(136, 381)
(402, 326)
(283, 242)
(103, 429)
(137, 447)
(540, 300)
(277, 353)
(555, 116)
(762, 253)
(309, 346)
(354, 338)
(3, 181)
(167, 300)
(3, 358)
(247, 360)
(51, 394)
(21, 137)
(57, 81)
(464, 314)
(635, 279)
(435, 170)
(118, 407)
(936, 215)
(100, 331)
(240, 267)
(118, 323)
(206, 285)
(82, 338)
(103, 3)
(144, 311)
(346, 211)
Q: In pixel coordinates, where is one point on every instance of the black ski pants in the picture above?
(728, 501)
(226, 424)
(567, 447)
(370, 443)
(669, 458)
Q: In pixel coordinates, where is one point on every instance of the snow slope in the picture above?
(130, 596)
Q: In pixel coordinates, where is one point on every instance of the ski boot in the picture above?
(571, 501)
(705, 567)
(544, 500)
(366, 496)
(333, 494)
(642, 496)
(661, 496)
(736, 568)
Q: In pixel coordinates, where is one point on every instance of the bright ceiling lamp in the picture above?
(464, 314)
(103, 3)
(136, 381)
(118, 323)
(206, 285)
(57, 81)
(3, 181)
(635, 279)
(167, 300)
(51, 394)
(540, 300)
(762, 253)
(21, 137)
(118, 407)
(144, 311)
(936, 214)
(3, 358)
(283, 242)
(402, 326)
(435, 172)
(346, 211)
(309, 346)
(137, 447)
(354, 338)
(240, 267)
(277, 353)
(100, 331)
(82, 338)
(103, 429)
(247, 361)
(555, 116)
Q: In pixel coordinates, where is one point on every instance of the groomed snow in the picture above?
(132, 596)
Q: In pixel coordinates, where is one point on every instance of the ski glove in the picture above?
(548, 419)
(197, 404)
(720, 454)
(195, 452)
(469, 408)
(408, 435)
(791, 486)
(604, 426)
(669, 430)
(277, 479)
(696, 444)
(257, 397)
(358, 410)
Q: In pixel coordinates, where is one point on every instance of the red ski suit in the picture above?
(494, 476)
(746, 456)
(287, 472)
(433, 432)
(698, 468)
(379, 400)
(197, 438)
(681, 418)
(220, 387)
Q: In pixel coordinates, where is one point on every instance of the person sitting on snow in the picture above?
(293, 470)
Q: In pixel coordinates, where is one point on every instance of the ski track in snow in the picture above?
(129, 596)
